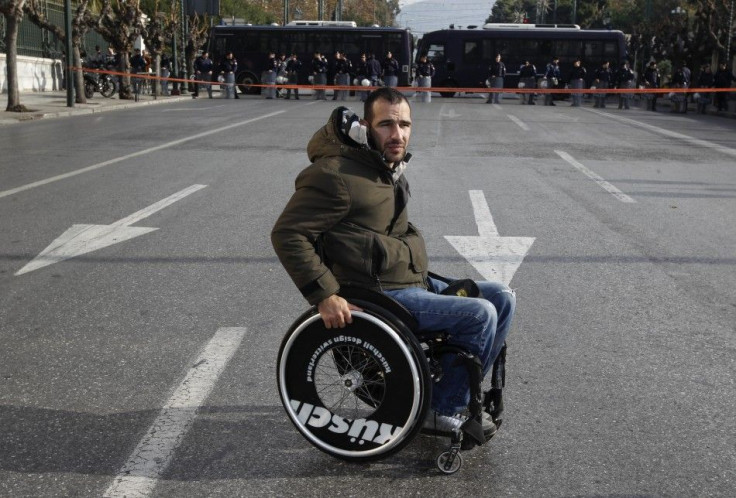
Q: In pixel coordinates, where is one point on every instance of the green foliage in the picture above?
(250, 12)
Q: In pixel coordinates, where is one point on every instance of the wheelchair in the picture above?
(362, 393)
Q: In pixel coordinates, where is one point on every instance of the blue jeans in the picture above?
(479, 326)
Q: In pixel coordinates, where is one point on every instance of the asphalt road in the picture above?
(621, 367)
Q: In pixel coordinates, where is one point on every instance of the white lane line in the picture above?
(483, 216)
(672, 134)
(519, 122)
(149, 460)
(595, 177)
(22, 188)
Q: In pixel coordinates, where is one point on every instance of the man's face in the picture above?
(390, 129)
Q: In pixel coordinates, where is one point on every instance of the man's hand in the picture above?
(335, 311)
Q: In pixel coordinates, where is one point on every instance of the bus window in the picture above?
(568, 49)
(221, 45)
(610, 51)
(488, 50)
(436, 53)
(592, 49)
(471, 52)
(545, 48)
(351, 43)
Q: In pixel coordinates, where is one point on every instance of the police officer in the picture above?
(496, 74)
(293, 66)
(553, 77)
(361, 73)
(705, 80)
(390, 68)
(625, 80)
(651, 80)
(602, 78)
(374, 70)
(722, 79)
(319, 75)
(203, 67)
(137, 66)
(577, 82)
(342, 75)
(228, 67)
(268, 77)
(527, 80)
(425, 72)
(679, 100)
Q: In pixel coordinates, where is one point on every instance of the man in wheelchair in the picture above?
(347, 224)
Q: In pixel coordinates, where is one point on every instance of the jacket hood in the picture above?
(334, 140)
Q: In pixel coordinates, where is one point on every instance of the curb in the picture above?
(13, 117)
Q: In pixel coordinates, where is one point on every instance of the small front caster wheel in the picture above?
(449, 462)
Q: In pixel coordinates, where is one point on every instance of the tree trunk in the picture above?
(126, 92)
(157, 74)
(81, 98)
(11, 54)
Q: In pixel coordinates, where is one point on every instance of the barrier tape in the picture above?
(438, 89)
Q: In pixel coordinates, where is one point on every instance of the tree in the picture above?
(157, 33)
(121, 22)
(81, 21)
(199, 28)
(12, 10)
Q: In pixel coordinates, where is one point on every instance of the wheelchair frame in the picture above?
(362, 393)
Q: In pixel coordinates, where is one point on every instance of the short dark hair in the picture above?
(391, 95)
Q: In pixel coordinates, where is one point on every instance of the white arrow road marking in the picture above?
(595, 177)
(495, 257)
(83, 239)
(149, 460)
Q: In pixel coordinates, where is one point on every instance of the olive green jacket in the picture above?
(340, 226)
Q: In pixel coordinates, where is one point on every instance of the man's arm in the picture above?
(320, 201)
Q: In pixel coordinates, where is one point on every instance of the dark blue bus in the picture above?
(251, 44)
(461, 56)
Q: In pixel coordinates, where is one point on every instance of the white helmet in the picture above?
(365, 82)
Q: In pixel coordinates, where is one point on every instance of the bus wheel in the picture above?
(448, 84)
(245, 82)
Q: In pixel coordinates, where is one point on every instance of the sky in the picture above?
(423, 16)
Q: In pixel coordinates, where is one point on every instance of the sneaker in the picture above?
(443, 425)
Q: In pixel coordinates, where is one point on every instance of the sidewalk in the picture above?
(44, 105)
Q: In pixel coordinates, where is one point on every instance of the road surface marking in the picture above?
(519, 122)
(64, 176)
(495, 257)
(83, 239)
(672, 134)
(595, 177)
(149, 460)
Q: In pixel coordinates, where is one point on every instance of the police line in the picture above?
(438, 89)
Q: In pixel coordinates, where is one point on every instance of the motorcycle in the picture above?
(98, 82)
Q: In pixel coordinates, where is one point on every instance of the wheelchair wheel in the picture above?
(358, 393)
